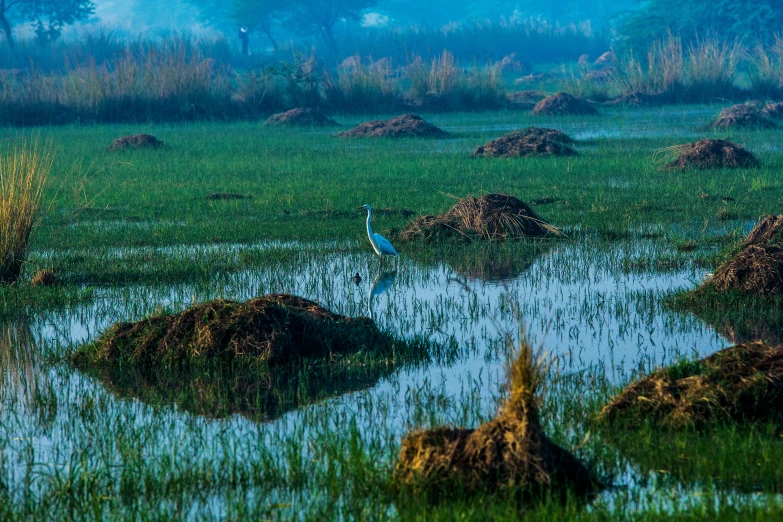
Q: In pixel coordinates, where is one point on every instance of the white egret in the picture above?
(379, 243)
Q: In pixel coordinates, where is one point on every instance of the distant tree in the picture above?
(260, 15)
(50, 16)
(751, 20)
(321, 16)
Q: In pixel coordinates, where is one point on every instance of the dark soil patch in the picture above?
(217, 196)
(405, 126)
(745, 115)
(712, 154)
(563, 104)
(509, 453)
(758, 267)
(273, 329)
(136, 141)
(301, 118)
(533, 141)
(490, 217)
(743, 383)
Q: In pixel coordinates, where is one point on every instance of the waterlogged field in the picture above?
(134, 233)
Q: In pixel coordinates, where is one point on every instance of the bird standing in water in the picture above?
(379, 243)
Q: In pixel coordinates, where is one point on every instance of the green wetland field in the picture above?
(240, 210)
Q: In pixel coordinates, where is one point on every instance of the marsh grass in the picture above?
(24, 173)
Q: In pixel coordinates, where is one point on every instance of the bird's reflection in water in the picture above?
(383, 281)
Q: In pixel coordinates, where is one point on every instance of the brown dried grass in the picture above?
(301, 118)
(744, 115)
(773, 110)
(533, 141)
(489, 217)
(562, 104)
(405, 126)
(44, 277)
(509, 453)
(24, 172)
(743, 383)
(712, 154)
(136, 141)
(272, 329)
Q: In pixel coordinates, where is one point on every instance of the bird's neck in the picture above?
(369, 228)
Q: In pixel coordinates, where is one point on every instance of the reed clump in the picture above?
(136, 141)
(272, 330)
(532, 141)
(742, 116)
(405, 126)
(743, 383)
(712, 154)
(509, 454)
(24, 171)
(489, 217)
(301, 117)
(563, 104)
(758, 267)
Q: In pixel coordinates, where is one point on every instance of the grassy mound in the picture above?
(509, 453)
(562, 104)
(525, 99)
(301, 118)
(712, 154)
(489, 217)
(744, 115)
(272, 329)
(743, 383)
(260, 358)
(136, 141)
(44, 277)
(405, 126)
(773, 110)
(642, 99)
(758, 267)
(531, 141)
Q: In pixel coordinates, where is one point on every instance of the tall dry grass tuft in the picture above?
(24, 171)
(663, 73)
(766, 69)
(712, 67)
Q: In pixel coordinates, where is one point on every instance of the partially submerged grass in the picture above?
(489, 217)
(510, 454)
(24, 172)
(743, 383)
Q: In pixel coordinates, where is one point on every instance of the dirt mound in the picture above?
(562, 104)
(301, 118)
(489, 217)
(773, 110)
(758, 267)
(745, 115)
(273, 329)
(712, 154)
(136, 141)
(743, 383)
(510, 452)
(405, 126)
(531, 141)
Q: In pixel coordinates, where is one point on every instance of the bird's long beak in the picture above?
(359, 208)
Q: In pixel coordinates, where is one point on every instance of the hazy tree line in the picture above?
(630, 22)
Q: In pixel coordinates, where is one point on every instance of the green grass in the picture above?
(131, 233)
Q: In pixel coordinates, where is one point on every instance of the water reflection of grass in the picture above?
(598, 292)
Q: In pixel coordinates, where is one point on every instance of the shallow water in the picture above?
(575, 300)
